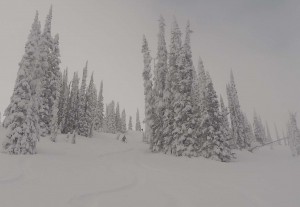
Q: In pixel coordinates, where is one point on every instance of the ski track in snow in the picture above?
(14, 175)
(114, 153)
(129, 171)
(138, 179)
(147, 167)
(84, 199)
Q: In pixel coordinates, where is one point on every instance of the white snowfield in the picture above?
(102, 171)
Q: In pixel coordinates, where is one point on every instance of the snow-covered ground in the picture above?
(103, 171)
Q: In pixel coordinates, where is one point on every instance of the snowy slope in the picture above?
(103, 171)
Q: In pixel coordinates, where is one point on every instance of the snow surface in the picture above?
(103, 171)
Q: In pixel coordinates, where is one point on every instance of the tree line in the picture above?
(45, 103)
(183, 114)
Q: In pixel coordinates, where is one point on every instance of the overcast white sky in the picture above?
(258, 40)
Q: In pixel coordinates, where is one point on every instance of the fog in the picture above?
(258, 40)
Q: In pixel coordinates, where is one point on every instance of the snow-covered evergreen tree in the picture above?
(149, 98)
(82, 125)
(225, 122)
(249, 134)
(293, 134)
(168, 117)
(236, 116)
(215, 145)
(31, 55)
(91, 107)
(21, 114)
(105, 120)
(35, 38)
(49, 60)
(161, 58)
(55, 86)
(109, 124)
(123, 121)
(130, 123)
(66, 111)
(172, 78)
(111, 118)
(72, 107)
(155, 108)
(199, 91)
(63, 97)
(258, 129)
(184, 122)
(100, 108)
(54, 122)
(137, 121)
(118, 119)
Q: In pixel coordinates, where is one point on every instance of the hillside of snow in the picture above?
(103, 171)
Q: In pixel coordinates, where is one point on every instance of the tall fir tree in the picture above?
(105, 120)
(236, 116)
(198, 89)
(215, 145)
(91, 107)
(111, 118)
(155, 109)
(66, 111)
(54, 122)
(168, 117)
(62, 97)
(82, 125)
(248, 131)
(199, 102)
(225, 122)
(130, 123)
(55, 87)
(184, 122)
(21, 114)
(49, 60)
(201, 76)
(172, 79)
(31, 55)
(123, 121)
(258, 129)
(100, 108)
(118, 118)
(149, 97)
(137, 121)
(161, 57)
(73, 103)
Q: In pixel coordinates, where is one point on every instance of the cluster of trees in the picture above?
(45, 103)
(80, 110)
(182, 110)
(115, 122)
(183, 115)
(34, 101)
